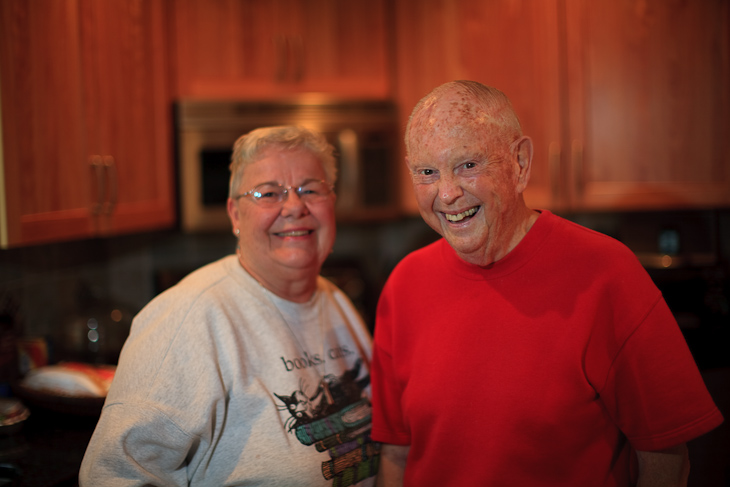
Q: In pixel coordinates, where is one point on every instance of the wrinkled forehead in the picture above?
(455, 122)
(454, 116)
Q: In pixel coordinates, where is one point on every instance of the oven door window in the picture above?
(215, 176)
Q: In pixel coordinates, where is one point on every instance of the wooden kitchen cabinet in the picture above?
(86, 119)
(254, 49)
(648, 103)
(627, 102)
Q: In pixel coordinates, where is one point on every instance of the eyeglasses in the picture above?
(272, 194)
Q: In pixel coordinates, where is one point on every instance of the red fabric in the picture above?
(544, 368)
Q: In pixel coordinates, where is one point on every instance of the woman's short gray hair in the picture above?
(250, 147)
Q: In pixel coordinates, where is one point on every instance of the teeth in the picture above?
(460, 216)
(297, 233)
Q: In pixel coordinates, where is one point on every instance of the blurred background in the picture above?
(118, 115)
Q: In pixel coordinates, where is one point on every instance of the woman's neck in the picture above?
(298, 286)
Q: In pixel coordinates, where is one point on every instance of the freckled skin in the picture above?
(463, 155)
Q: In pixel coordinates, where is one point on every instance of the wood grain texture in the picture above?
(252, 49)
(83, 80)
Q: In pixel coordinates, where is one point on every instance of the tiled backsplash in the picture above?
(41, 285)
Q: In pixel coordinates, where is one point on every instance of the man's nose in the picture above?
(449, 189)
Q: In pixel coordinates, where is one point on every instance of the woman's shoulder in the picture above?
(201, 285)
(208, 274)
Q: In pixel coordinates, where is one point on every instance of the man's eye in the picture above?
(470, 165)
(425, 172)
(424, 175)
(265, 194)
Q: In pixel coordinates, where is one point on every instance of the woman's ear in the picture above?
(234, 214)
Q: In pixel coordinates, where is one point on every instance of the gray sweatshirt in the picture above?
(222, 383)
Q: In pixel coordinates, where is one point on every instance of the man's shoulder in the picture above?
(576, 245)
(583, 237)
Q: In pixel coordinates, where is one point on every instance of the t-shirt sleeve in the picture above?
(654, 390)
(388, 424)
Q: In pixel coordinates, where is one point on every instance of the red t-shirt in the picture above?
(544, 368)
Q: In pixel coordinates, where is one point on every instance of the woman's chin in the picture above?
(300, 260)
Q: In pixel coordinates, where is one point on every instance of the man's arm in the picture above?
(392, 465)
(664, 468)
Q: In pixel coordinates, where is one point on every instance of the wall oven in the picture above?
(364, 133)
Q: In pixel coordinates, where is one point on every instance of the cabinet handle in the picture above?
(554, 170)
(97, 166)
(577, 157)
(111, 168)
(297, 47)
(348, 195)
(280, 51)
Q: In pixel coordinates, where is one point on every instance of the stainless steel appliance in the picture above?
(364, 133)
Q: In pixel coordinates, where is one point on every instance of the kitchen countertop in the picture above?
(46, 452)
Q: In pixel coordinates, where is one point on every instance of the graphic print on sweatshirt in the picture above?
(336, 419)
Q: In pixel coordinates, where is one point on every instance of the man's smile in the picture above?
(461, 216)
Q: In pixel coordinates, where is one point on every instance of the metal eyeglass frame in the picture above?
(285, 192)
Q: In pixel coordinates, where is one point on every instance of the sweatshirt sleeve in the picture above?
(166, 404)
(136, 446)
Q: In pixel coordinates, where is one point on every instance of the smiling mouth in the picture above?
(294, 233)
(461, 216)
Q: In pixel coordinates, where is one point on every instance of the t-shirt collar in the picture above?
(526, 250)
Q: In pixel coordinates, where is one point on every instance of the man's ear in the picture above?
(523, 151)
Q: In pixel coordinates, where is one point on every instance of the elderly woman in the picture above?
(253, 370)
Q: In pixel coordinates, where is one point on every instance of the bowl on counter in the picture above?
(13, 414)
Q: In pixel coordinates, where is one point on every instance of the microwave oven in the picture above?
(364, 133)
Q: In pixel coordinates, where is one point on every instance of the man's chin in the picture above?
(467, 249)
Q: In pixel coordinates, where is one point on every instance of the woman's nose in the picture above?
(293, 204)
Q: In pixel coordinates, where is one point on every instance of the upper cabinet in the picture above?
(627, 102)
(255, 49)
(86, 119)
(648, 103)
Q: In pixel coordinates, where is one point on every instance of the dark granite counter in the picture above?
(46, 452)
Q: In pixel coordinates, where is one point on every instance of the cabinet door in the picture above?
(128, 112)
(649, 84)
(512, 45)
(343, 48)
(254, 49)
(224, 47)
(47, 179)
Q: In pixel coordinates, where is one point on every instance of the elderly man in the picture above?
(521, 349)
